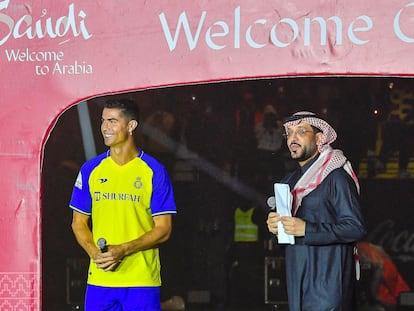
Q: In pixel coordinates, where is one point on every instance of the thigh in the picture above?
(141, 299)
(99, 298)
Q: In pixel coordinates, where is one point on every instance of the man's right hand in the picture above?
(272, 219)
(108, 261)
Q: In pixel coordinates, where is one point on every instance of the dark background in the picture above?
(222, 175)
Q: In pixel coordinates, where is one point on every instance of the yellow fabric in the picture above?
(245, 229)
(121, 212)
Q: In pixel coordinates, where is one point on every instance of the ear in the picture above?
(132, 125)
(318, 138)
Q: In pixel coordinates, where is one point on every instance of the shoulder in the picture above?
(340, 178)
(152, 162)
(339, 173)
(157, 169)
(89, 165)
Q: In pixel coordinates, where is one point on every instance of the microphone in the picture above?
(271, 202)
(102, 245)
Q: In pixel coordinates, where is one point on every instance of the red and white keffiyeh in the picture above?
(329, 134)
(328, 160)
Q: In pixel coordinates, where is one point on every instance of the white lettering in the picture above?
(351, 29)
(237, 28)
(33, 56)
(4, 4)
(182, 21)
(64, 26)
(72, 69)
(323, 34)
(42, 71)
(292, 24)
(249, 38)
(224, 33)
(281, 33)
(8, 21)
(27, 19)
(397, 28)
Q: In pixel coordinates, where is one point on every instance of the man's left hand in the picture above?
(293, 225)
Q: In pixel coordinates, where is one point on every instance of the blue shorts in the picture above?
(99, 298)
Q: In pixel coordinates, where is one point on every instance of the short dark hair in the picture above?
(127, 106)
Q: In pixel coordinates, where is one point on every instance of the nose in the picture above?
(293, 135)
(104, 125)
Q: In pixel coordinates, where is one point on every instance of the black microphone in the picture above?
(102, 245)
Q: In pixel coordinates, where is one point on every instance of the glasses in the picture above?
(299, 132)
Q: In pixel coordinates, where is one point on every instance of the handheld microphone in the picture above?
(102, 245)
(271, 202)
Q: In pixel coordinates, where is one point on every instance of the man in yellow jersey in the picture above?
(128, 197)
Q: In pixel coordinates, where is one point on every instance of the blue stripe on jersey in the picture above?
(162, 200)
(81, 200)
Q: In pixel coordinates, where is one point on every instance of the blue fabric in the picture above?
(320, 267)
(100, 298)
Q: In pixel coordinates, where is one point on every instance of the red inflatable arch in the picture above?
(57, 53)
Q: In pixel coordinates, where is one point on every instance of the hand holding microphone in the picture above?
(102, 245)
(106, 261)
(273, 217)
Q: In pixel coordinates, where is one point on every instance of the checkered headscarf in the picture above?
(329, 134)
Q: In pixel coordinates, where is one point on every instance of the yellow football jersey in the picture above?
(122, 201)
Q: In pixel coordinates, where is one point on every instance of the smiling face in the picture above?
(115, 127)
(302, 142)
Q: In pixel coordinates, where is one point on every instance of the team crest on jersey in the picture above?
(78, 182)
(138, 183)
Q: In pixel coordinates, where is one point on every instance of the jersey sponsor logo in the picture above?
(116, 196)
(138, 183)
(78, 182)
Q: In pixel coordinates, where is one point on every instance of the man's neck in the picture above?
(303, 163)
(123, 155)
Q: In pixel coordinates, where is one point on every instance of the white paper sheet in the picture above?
(284, 208)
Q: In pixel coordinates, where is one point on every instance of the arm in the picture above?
(339, 217)
(83, 234)
(151, 239)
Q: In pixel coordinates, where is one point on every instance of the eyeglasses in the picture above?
(299, 132)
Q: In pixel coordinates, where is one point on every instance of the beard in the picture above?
(304, 153)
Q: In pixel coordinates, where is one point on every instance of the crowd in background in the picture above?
(238, 125)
